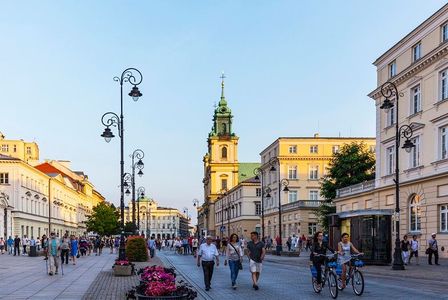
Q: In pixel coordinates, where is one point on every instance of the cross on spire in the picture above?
(222, 84)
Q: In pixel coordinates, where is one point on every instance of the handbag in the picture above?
(428, 250)
(240, 265)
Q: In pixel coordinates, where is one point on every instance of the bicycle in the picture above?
(353, 274)
(328, 275)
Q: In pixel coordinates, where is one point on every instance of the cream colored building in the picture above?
(303, 162)
(158, 221)
(418, 66)
(238, 210)
(26, 151)
(32, 198)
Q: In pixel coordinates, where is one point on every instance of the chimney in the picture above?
(316, 135)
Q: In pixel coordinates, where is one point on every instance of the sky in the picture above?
(293, 68)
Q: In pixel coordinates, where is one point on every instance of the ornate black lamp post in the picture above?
(281, 183)
(196, 204)
(389, 90)
(259, 173)
(112, 119)
(141, 195)
(137, 154)
(230, 206)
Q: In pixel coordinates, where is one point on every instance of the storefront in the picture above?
(370, 232)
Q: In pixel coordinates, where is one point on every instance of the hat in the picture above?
(433, 233)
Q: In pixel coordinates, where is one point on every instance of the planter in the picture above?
(143, 297)
(122, 270)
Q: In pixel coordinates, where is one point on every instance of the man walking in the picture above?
(433, 249)
(256, 253)
(207, 254)
(65, 248)
(152, 246)
(24, 244)
(10, 243)
(17, 245)
(53, 254)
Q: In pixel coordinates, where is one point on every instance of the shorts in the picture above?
(414, 253)
(255, 267)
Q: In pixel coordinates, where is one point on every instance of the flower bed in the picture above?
(160, 283)
(123, 268)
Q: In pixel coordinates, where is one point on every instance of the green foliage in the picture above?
(130, 228)
(353, 164)
(104, 220)
(136, 249)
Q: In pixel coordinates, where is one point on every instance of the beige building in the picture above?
(158, 221)
(301, 162)
(239, 209)
(418, 66)
(26, 151)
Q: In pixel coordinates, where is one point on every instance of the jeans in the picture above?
(207, 267)
(10, 249)
(318, 265)
(16, 250)
(436, 257)
(64, 254)
(234, 269)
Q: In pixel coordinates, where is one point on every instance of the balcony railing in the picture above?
(356, 188)
(301, 204)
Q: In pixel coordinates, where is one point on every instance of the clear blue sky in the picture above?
(293, 68)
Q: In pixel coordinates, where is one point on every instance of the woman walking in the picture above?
(234, 255)
(73, 248)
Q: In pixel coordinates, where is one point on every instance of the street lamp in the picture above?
(230, 205)
(281, 183)
(188, 220)
(137, 154)
(196, 204)
(389, 90)
(112, 119)
(259, 172)
(141, 195)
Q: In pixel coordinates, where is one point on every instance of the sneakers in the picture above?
(51, 273)
(255, 287)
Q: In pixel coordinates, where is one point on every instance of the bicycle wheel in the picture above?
(358, 283)
(333, 285)
(340, 284)
(317, 289)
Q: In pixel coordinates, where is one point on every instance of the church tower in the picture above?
(220, 162)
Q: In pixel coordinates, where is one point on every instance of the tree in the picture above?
(130, 228)
(353, 164)
(104, 220)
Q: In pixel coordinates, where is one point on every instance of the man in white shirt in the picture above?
(208, 253)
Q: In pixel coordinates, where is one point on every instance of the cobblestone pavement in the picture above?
(289, 278)
(23, 277)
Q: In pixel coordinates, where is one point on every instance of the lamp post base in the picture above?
(122, 249)
(398, 260)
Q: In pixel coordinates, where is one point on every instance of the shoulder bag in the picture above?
(240, 265)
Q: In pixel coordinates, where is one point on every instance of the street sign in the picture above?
(223, 228)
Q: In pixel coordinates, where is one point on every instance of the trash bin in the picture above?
(33, 251)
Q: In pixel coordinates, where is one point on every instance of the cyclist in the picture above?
(345, 248)
(319, 247)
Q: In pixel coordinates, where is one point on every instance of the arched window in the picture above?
(414, 213)
(224, 152)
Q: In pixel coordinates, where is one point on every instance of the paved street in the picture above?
(284, 279)
(23, 277)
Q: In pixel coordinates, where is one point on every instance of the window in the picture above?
(292, 172)
(390, 116)
(392, 69)
(372, 149)
(445, 32)
(417, 51)
(14, 148)
(335, 149)
(258, 208)
(312, 228)
(443, 82)
(313, 149)
(224, 184)
(415, 213)
(444, 142)
(416, 104)
(444, 218)
(390, 160)
(314, 172)
(292, 196)
(5, 148)
(415, 153)
(224, 153)
(28, 150)
(4, 178)
(314, 195)
(258, 192)
(293, 149)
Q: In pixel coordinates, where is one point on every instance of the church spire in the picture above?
(223, 101)
(222, 118)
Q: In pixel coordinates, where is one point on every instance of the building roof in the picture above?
(6, 157)
(246, 170)
(251, 180)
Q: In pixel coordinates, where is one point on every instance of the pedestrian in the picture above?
(278, 246)
(152, 246)
(195, 244)
(345, 249)
(44, 242)
(53, 252)
(405, 249)
(74, 245)
(414, 249)
(10, 244)
(433, 249)
(65, 248)
(224, 246)
(17, 245)
(289, 243)
(24, 244)
(117, 244)
(2, 245)
(256, 253)
(234, 255)
(207, 255)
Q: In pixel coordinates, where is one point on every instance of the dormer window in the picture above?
(392, 69)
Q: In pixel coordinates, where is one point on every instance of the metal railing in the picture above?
(356, 188)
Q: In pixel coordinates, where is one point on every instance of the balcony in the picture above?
(301, 204)
(356, 188)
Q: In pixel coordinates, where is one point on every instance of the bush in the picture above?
(136, 249)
